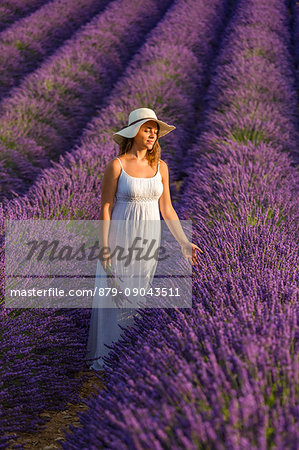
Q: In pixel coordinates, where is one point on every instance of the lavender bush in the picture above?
(295, 13)
(75, 181)
(225, 373)
(47, 112)
(266, 113)
(31, 342)
(25, 44)
(12, 10)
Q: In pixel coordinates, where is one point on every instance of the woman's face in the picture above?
(147, 135)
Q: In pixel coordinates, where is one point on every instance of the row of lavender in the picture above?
(295, 12)
(26, 43)
(51, 106)
(72, 188)
(272, 114)
(13, 10)
(224, 374)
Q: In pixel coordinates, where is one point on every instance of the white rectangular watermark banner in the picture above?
(98, 263)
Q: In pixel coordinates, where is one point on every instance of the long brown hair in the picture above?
(152, 155)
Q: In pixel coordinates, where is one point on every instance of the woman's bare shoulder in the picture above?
(163, 166)
(164, 170)
(113, 167)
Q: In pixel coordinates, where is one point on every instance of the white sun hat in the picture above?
(136, 119)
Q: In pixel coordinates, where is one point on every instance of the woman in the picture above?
(135, 189)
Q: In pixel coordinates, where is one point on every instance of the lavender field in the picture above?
(225, 373)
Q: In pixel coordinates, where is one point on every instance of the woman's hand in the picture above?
(113, 282)
(106, 259)
(189, 251)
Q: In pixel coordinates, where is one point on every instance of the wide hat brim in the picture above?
(132, 130)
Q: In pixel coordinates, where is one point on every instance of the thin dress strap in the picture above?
(120, 162)
(123, 168)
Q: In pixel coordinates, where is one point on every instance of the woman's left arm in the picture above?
(171, 218)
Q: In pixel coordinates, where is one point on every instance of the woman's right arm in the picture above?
(108, 191)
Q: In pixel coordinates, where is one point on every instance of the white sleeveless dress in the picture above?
(134, 210)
